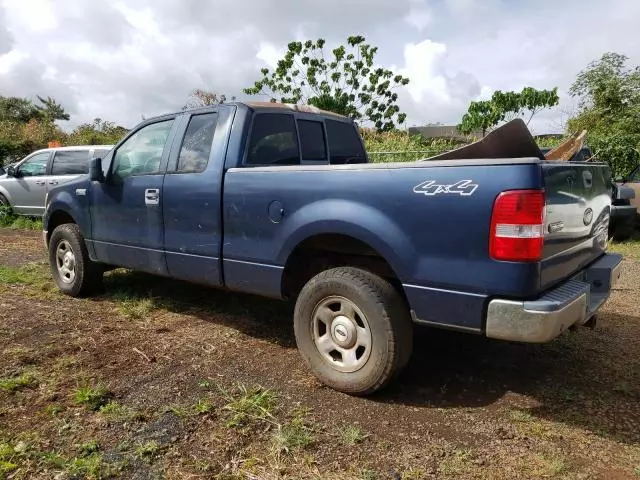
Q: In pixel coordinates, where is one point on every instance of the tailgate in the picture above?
(578, 206)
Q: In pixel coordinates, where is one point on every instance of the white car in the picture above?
(24, 185)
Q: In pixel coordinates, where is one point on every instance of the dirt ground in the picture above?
(156, 378)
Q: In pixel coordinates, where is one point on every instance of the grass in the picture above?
(8, 219)
(116, 412)
(147, 451)
(249, 405)
(293, 436)
(457, 463)
(133, 306)
(202, 406)
(31, 274)
(91, 397)
(352, 435)
(17, 382)
(630, 249)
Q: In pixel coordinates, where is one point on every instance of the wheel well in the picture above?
(58, 218)
(322, 252)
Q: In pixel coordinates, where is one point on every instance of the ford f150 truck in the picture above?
(280, 201)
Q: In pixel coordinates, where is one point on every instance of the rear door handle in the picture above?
(152, 196)
(53, 182)
(40, 182)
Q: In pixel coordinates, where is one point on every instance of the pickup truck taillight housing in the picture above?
(517, 226)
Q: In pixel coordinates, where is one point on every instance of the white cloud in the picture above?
(120, 59)
(419, 16)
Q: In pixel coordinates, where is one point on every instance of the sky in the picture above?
(122, 61)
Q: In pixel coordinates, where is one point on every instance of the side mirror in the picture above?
(95, 170)
(11, 171)
(619, 179)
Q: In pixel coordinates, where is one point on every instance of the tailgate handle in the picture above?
(588, 179)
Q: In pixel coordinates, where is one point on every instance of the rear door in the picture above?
(126, 210)
(27, 190)
(192, 193)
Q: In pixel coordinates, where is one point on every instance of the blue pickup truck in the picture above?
(281, 201)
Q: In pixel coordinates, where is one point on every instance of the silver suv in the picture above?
(24, 185)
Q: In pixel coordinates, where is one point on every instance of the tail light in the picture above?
(517, 226)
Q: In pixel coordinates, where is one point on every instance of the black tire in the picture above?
(87, 275)
(387, 318)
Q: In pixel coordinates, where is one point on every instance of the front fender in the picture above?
(65, 201)
(5, 193)
(357, 220)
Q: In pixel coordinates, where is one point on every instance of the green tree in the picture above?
(51, 110)
(348, 82)
(609, 95)
(504, 106)
(22, 110)
(97, 132)
(202, 98)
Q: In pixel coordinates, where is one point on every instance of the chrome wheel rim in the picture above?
(341, 333)
(66, 262)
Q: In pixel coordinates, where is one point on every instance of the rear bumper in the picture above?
(573, 302)
(623, 212)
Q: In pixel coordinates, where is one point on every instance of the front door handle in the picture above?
(152, 196)
(53, 182)
(40, 182)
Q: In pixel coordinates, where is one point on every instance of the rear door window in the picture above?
(196, 147)
(70, 162)
(344, 143)
(273, 141)
(312, 139)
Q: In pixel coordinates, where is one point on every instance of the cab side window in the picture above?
(273, 141)
(141, 154)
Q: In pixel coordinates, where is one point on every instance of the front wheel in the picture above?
(353, 330)
(73, 271)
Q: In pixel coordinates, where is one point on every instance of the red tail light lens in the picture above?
(517, 226)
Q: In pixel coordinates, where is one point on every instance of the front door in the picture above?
(27, 190)
(126, 210)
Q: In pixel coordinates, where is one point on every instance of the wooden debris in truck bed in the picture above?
(567, 149)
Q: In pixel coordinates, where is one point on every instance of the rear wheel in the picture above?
(353, 330)
(73, 271)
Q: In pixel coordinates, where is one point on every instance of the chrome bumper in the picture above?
(574, 302)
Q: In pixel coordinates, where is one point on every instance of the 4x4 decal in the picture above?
(462, 187)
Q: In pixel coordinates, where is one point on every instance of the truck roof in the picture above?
(303, 108)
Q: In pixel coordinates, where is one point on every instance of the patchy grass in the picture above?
(24, 380)
(203, 406)
(249, 405)
(457, 463)
(352, 435)
(33, 274)
(133, 306)
(92, 397)
(116, 412)
(293, 436)
(147, 451)
(8, 219)
(630, 249)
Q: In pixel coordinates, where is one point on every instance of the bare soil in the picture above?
(175, 357)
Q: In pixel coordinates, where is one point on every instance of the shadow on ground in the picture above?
(590, 378)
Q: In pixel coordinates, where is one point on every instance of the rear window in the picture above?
(344, 143)
(196, 147)
(70, 162)
(273, 140)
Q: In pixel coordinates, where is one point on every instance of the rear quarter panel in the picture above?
(436, 242)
